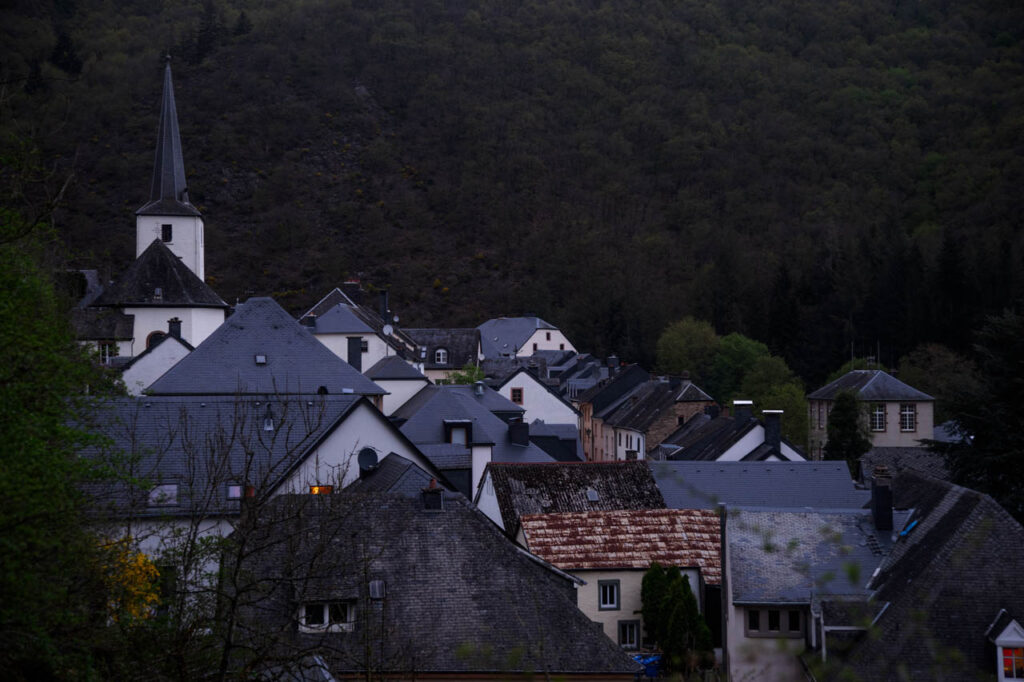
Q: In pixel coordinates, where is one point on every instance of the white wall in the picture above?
(186, 239)
(626, 440)
(196, 323)
(376, 348)
(399, 392)
(558, 341)
(539, 402)
(153, 366)
(487, 501)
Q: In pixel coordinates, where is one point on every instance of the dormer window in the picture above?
(458, 431)
(441, 356)
(334, 616)
(166, 232)
(260, 359)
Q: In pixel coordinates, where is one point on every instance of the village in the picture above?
(359, 499)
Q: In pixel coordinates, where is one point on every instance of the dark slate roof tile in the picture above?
(97, 324)
(462, 346)
(158, 268)
(393, 367)
(921, 460)
(393, 474)
(295, 362)
(503, 611)
(506, 335)
(870, 384)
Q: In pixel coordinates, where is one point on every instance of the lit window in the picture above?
(164, 495)
(908, 417)
(608, 595)
(321, 489)
(165, 233)
(878, 417)
(440, 356)
(517, 396)
(1013, 664)
(629, 634)
(234, 492)
(337, 616)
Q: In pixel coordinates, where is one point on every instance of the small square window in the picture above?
(260, 359)
(608, 595)
(547, 336)
(364, 346)
(535, 346)
(234, 492)
(517, 396)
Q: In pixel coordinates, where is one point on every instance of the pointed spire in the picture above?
(168, 194)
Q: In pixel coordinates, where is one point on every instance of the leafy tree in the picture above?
(941, 373)
(653, 591)
(846, 439)
(772, 385)
(672, 618)
(243, 25)
(469, 374)
(688, 345)
(64, 56)
(735, 355)
(989, 418)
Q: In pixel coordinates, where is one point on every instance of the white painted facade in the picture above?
(544, 339)
(196, 323)
(186, 238)
(399, 391)
(481, 455)
(751, 440)
(487, 501)
(1011, 639)
(628, 443)
(376, 348)
(538, 401)
(151, 366)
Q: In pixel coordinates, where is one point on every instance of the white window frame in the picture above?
(441, 356)
(1013, 654)
(878, 417)
(322, 613)
(609, 597)
(164, 495)
(908, 417)
(629, 634)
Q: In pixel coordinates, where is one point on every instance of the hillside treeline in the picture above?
(827, 178)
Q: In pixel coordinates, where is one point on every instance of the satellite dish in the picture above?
(367, 459)
(388, 330)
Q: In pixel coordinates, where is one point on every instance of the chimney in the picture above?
(433, 497)
(478, 389)
(743, 409)
(881, 498)
(519, 432)
(384, 312)
(773, 429)
(174, 327)
(613, 365)
(309, 321)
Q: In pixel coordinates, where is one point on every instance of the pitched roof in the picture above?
(641, 406)
(344, 311)
(921, 460)
(205, 443)
(564, 486)
(690, 392)
(158, 278)
(948, 577)
(788, 557)
(503, 611)
(393, 474)
(168, 194)
(394, 368)
(341, 319)
(869, 384)
(561, 441)
(627, 539)
(704, 485)
(262, 350)
(462, 346)
(704, 438)
(97, 324)
(506, 335)
(612, 389)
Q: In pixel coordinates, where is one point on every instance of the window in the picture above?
(629, 634)
(335, 616)
(364, 346)
(908, 417)
(1013, 664)
(561, 346)
(878, 417)
(608, 595)
(234, 492)
(774, 623)
(535, 346)
(821, 417)
(517, 396)
(440, 356)
(321, 489)
(165, 233)
(164, 495)
(108, 351)
(547, 336)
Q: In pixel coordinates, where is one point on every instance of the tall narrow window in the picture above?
(878, 417)
(165, 233)
(517, 396)
(629, 634)
(441, 356)
(908, 417)
(608, 595)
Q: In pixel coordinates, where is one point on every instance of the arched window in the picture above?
(441, 356)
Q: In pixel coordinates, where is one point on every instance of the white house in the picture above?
(520, 336)
(538, 399)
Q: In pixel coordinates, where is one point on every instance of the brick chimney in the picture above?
(174, 327)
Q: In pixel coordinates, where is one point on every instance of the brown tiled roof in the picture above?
(628, 539)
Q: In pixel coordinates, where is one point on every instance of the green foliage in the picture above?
(469, 374)
(772, 385)
(988, 413)
(845, 430)
(735, 355)
(688, 345)
(672, 617)
(942, 374)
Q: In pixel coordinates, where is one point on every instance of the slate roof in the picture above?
(690, 392)
(561, 441)
(639, 408)
(704, 485)
(341, 319)
(351, 308)
(540, 382)
(506, 335)
(562, 487)
(946, 580)
(870, 384)
(296, 363)
(461, 344)
(153, 346)
(460, 598)
(628, 539)
(921, 460)
(788, 557)
(168, 194)
(611, 390)
(394, 368)
(703, 438)
(204, 443)
(157, 267)
(97, 324)
(422, 420)
(393, 474)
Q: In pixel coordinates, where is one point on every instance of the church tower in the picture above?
(169, 217)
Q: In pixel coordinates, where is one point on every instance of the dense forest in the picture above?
(827, 178)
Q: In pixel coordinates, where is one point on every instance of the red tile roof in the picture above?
(628, 539)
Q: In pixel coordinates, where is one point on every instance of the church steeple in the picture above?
(169, 216)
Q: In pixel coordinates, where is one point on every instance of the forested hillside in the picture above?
(810, 174)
